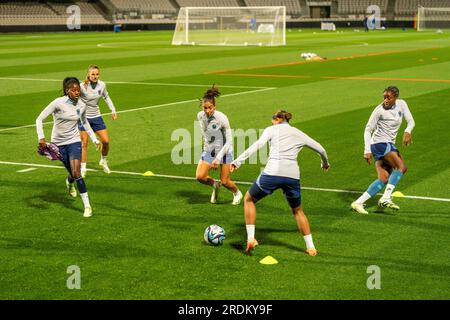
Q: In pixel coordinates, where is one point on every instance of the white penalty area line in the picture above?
(188, 101)
(152, 107)
(34, 165)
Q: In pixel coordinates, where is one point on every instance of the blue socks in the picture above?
(81, 185)
(375, 187)
(395, 177)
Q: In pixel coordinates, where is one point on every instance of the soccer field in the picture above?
(145, 239)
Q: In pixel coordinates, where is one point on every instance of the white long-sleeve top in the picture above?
(383, 124)
(91, 95)
(216, 133)
(66, 116)
(285, 142)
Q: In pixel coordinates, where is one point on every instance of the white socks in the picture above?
(251, 235)
(250, 231)
(85, 198)
(83, 166)
(388, 191)
(365, 196)
(309, 241)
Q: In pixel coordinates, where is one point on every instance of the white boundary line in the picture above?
(192, 178)
(26, 170)
(152, 107)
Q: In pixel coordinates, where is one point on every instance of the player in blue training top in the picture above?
(379, 139)
(68, 111)
(282, 171)
(92, 89)
(217, 147)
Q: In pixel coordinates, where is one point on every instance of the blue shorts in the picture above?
(379, 150)
(210, 156)
(266, 185)
(70, 152)
(97, 124)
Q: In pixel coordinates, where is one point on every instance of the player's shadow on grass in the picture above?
(45, 199)
(265, 238)
(127, 212)
(371, 205)
(193, 196)
(348, 197)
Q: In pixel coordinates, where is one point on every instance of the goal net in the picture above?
(432, 19)
(231, 26)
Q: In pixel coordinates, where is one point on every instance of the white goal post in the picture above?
(231, 26)
(433, 18)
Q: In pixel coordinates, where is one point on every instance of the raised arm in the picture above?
(317, 147)
(266, 135)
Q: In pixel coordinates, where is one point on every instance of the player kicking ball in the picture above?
(281, 172)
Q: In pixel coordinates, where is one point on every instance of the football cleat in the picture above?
(71, 188)
(312, 252)
(359, 207)
(251, 244)
(387, 203)
(237, 198)
(215, 192)
(87, 212)
(104, 164)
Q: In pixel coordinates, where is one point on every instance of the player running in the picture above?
(92, 89)
(217, 147)
(282, 171)
(67, 112)
(379, 138)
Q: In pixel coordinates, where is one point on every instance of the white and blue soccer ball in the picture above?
(214, 235)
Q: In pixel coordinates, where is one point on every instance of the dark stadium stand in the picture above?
(162, 14)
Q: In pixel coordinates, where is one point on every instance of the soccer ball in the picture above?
(214, 235)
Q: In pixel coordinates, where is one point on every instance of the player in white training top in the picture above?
(282, 171)
(217, 147)
(379, 139)
(68, 111)
(92, 89)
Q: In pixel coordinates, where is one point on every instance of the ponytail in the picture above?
(282, 114)
(211, 94)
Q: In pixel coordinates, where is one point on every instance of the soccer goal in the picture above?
(231, 26)
(433, 19)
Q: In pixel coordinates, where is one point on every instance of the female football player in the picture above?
(67, 112)
(217, 147)
(92, 90)
(379, 138)
(282, 171)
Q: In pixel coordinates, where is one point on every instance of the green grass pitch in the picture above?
(145, 240)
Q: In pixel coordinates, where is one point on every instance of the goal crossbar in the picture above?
(231, 26)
